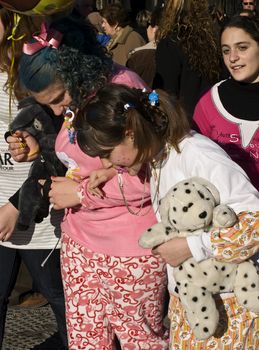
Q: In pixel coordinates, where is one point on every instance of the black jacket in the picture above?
(174, 74)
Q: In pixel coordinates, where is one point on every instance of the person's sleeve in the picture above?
(112, 196)
(168, 67)
(134, 64)
(234, 244)
(89, 201)
(201, 120)
(200, 246)
(239, 242)
(14, 199)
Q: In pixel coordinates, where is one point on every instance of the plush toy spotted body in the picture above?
(188, 208)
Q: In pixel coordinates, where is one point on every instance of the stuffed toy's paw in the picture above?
(201, 310)
(224, 216)
(156, 235)
(247, 286)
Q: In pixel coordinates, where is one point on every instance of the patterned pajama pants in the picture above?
(108, 295)
(238, 328)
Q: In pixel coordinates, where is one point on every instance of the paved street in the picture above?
(28, 329)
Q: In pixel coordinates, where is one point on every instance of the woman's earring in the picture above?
(130, 136)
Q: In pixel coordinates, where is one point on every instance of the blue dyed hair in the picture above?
(80, 62)
(38, 71)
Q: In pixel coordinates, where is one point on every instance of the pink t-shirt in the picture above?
(106, 226)
(238, 137)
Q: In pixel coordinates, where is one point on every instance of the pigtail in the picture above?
(150, 109)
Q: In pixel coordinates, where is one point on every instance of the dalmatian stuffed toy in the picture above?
(189, 208)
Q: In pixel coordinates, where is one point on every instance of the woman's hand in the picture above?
(174, 252)
(23, 147)
(8, 218)
(63, 193)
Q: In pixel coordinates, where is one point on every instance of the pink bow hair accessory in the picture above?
(46, 38)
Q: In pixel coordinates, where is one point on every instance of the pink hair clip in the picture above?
(46, 38)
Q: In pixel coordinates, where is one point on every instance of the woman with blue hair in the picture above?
(111, 285)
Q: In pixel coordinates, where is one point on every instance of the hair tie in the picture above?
(153, 98)
(51, 38)
(127, 106)
(14, 38)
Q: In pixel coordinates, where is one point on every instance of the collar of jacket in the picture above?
(121, 36)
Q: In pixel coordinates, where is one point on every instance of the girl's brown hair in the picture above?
(117, 109)
(12, 43)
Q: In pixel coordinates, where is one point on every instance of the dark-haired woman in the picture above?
(228, 113)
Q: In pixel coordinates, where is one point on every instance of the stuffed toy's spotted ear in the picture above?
(164, 208)
(210, 187)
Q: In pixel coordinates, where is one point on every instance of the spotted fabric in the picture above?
(239, 242)
(238, 328)
(108, 295)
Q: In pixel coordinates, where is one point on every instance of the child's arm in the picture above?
(235, 244)
(63, 193)
(96, 178)
(238, 243)
(8, 218)
(174, 252)
(67, 193)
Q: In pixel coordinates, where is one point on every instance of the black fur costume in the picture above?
(37, 120)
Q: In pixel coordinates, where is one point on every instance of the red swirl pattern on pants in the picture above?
(107, 295)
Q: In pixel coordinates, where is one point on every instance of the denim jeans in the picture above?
(47, 279)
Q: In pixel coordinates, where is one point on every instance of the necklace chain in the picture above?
(139, 211)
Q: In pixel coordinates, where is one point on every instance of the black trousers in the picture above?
(47, 279)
